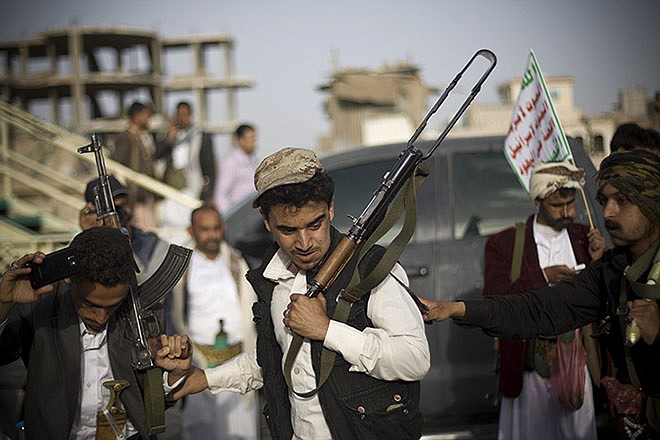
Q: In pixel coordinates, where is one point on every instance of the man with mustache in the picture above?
(380, 351)
(213, 296)
(612, 291)
(550, 247)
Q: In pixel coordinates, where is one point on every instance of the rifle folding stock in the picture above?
(405, 168)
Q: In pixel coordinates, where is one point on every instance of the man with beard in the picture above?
(617, 290)
(550, 247)
(212, 297)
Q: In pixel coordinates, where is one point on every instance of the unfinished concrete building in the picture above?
(83, 78)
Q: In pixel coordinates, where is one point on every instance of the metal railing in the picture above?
(58, 190)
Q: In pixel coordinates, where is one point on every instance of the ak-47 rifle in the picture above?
(400, 174)
(395, 194)
(143, 321)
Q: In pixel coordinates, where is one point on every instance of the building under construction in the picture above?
(61, 85)
(83, 78)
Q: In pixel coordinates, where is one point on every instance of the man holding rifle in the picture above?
(72, 337)
(381, 352)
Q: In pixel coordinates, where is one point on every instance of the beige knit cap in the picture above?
(552, 176)
(286, 166)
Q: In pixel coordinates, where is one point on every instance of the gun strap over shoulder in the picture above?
(405, 203)
(154, 401)
(518, 246)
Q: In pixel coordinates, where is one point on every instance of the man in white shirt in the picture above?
(236, 171)
(381, 351)
(214, 289)
(73, 337)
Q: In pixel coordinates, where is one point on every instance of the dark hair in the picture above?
(203, 208)
(653, 140)
(136, 108)
(320, 188)
(103, 256)
(240, 131)
(628, 136)
(566, 192)
(184, 104)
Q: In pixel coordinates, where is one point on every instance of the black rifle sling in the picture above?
(404, 203)
(518, 246)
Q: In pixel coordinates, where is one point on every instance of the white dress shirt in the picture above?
(94, 370)
(553, 247)
(394, 349)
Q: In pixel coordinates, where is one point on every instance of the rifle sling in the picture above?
(404, 203)
(154, 400)
(518, 245)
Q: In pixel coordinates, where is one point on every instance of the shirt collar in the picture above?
(280, 267)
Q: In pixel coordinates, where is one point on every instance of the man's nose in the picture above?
(609, 209)
(304, 240)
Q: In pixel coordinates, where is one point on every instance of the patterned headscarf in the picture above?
(552, 176)
(636, 174)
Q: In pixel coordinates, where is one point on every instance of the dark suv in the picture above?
(470, 194)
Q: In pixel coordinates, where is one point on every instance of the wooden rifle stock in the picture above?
(333, 266)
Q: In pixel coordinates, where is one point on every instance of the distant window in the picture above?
(487, 194)
(598, 145)
(554, 94)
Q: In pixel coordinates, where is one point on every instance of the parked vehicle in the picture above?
(470, 194)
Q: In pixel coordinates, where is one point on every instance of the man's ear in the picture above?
(190, 230)
(265, 219)
(331, 208)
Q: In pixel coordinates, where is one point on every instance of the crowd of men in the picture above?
(561, 305)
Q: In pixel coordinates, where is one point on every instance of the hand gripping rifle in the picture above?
(380, 214)
(143, 321)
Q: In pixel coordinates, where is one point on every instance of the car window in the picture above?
(355, 185)
(487, 195)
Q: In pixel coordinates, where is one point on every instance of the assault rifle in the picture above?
(373, 217)
(144, 296)
(142, 320)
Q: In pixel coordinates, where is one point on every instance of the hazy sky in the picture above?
(286, 46)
